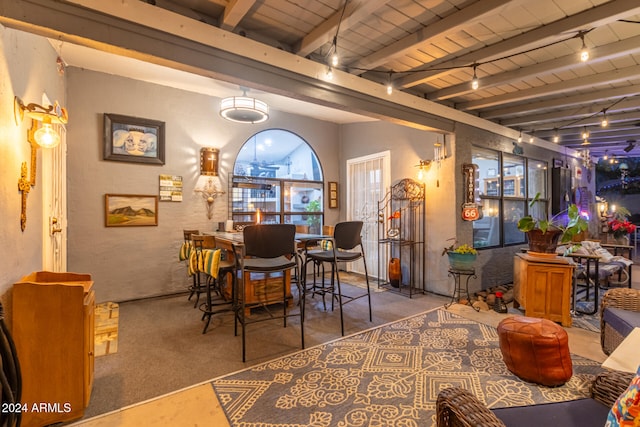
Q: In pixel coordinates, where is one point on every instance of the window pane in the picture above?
(513, 180)
(537, 178)
(488, 180)
(486, 230)
(247, 196)
(513, 211)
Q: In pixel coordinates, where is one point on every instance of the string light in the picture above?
(329, 74)
(605, 122)
(584, 52)
(475, 84)
(520, 137)
(389, 85)
(556, 136)
(585, 133)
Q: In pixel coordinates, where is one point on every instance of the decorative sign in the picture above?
(470, 209)
(170, 188)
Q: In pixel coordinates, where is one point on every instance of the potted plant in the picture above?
(461, 257)
(314, 220)
(544, 234)
(619, 228)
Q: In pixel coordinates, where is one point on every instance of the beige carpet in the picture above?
(106, 329)
(390, 375)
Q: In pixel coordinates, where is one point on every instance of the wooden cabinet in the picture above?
(53, 329)
(543, 286)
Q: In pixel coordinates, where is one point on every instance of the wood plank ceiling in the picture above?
(525, 55)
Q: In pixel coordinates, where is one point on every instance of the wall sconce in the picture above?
(209, 161)
(424, 166)
(45, 136)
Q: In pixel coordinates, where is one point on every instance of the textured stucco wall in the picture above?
(134, 262)
(27, 70)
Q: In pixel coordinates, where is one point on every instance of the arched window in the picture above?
(277, 178)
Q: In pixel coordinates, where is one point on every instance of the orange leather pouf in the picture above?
(536, 350)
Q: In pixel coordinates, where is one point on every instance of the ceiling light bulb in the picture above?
(389, 89)
(335, 60)
(531, 138)
(605, 121)
(520, 137)
(330, 74)
(585, 134)
(556, 138)
(475, 84)
(584, 52)
(46, 136)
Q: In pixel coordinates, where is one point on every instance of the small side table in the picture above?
(458, 277)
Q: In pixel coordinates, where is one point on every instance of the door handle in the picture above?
(54, 228)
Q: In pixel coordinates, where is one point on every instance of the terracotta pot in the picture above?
(543, 242)
(395, 272)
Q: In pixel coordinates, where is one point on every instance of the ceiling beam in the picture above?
(598, 54)
(523, 114)
(425, 35)
(234, 12)
(324, 33)
(610, 77)
(594, 17)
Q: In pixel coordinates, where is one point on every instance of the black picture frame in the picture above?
(133, 139)
(558, 163)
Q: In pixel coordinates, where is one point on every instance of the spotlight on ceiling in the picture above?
(631, 145)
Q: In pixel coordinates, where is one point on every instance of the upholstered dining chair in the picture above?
(346, 246)
(269, 250)
(199, 242)
(214, 267)
(185, 251)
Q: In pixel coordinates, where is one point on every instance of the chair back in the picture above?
(302, 229)
(347, 234)
(188, 233)
(269, 240)
(202, 241)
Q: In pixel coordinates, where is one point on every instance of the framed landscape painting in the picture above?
(130, 210)
(132, 139)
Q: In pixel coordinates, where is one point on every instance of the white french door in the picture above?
(368, 178)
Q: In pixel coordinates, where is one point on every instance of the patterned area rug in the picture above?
(106, 329)
(387, 376)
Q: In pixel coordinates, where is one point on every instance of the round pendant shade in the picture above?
(243, 109)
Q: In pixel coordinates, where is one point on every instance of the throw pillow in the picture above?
(626, 410)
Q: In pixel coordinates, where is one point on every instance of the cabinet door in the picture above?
(548, 292)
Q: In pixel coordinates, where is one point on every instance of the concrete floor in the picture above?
(198, 405)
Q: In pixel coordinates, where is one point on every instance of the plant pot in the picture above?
(461, 261)
(622, 240)
(543, 242)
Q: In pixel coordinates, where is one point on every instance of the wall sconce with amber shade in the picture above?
(38, 136)
(209, 161)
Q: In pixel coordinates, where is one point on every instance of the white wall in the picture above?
(27, 69)
(134, 262)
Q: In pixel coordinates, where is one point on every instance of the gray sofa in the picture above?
(619, 314)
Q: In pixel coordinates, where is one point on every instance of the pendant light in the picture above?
(244, 109)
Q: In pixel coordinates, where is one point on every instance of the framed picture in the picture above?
(132, 139)
(333, 194)
(558, 163)
(130, 210)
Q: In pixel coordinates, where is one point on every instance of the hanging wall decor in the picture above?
(133, 139)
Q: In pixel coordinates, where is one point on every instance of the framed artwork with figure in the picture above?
(133, 139)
